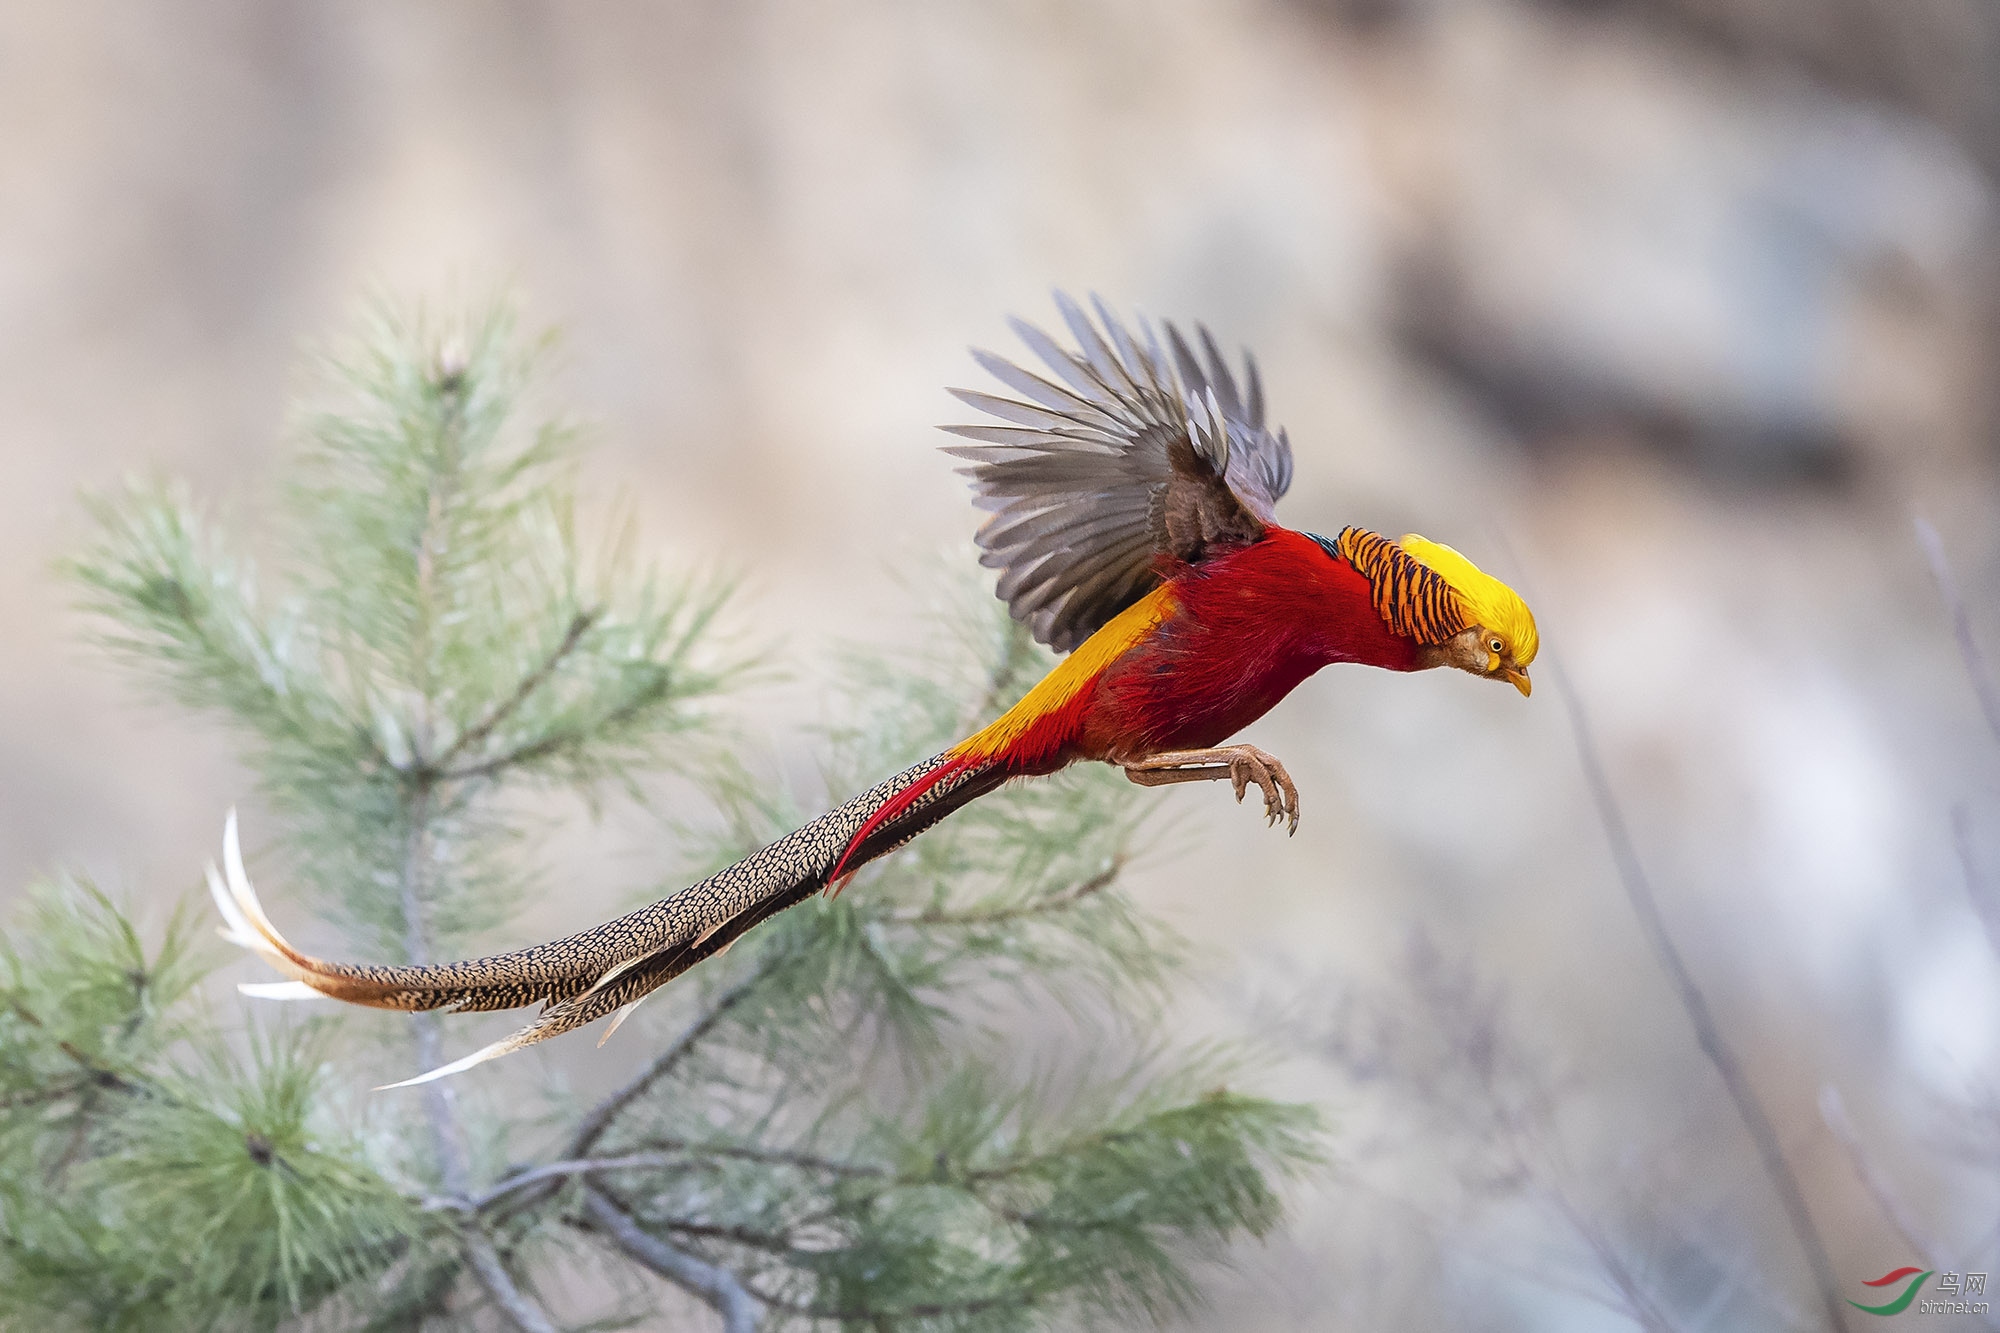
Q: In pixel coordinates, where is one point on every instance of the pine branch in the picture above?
(563, 1170)
(492, 1274)
(444, 482)
(666, 1154)
(804, 1161)
(567, 741)
(717, 1287)
(746, 1237)
(173, 601)
(475, 736)
(97, 1074)
(440, 1109)
(54, 1092)
(601, 1117)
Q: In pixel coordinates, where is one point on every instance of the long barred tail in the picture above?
(609, 969)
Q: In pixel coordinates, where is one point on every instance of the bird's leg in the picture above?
(1241, 764)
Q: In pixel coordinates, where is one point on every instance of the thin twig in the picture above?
(448, 1140)
(778, 1157)
(439, 1100)
(716, 1287)
(99, 1079)
(1447, 1235)
(476, 734)
(1961, 624)
(1985, 901)
(500, 1285)
(1056, 902)
(520, 1180)
(543, 746)
(666, 1153)
(54, 1092)
(601, 1116)
(1708, 1032)
(86, 1107)
(103, 1075)
(1639, 1305)
(1833, 1110)
(745, 1236)
(98, 1076)
(440, 1104)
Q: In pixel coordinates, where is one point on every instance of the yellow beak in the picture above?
(1520, 678)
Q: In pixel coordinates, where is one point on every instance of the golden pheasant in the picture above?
(1132, 524)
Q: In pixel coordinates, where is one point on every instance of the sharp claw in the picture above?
(1246, 764)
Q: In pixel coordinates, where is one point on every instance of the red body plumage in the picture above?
(1249, 625)
(1218, 646)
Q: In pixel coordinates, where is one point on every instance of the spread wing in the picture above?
(1131, 452)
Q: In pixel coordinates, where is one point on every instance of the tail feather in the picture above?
(278, 990)
(609, 969)
(887, 813)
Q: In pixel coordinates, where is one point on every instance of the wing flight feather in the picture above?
(1134, 450)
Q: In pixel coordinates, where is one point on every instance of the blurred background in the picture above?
(1678, 313)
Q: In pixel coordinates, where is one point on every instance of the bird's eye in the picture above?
(1496, 645)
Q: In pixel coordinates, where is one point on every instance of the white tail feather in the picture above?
(237, 928)
(278, 990)
(618, 1018)
(247, 927)
(479, 1057)
(239, 886)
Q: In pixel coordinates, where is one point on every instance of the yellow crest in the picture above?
(1487, 601)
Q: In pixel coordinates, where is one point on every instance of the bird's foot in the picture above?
(1281, 797)
(1240, 764)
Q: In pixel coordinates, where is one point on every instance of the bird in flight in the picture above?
(1131, 490)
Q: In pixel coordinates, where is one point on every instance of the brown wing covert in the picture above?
(1133, 450)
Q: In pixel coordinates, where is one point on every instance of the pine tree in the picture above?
(832, 1126)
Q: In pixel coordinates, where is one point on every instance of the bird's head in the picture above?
(1500, 640)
